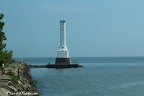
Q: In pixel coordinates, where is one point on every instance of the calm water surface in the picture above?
(100, 76)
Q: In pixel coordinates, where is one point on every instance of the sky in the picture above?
(95, 28)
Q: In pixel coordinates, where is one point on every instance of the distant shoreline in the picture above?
(88, 57)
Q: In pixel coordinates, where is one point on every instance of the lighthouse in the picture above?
(63, 59)
(62, 53)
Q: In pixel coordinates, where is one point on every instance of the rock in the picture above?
(25, 84)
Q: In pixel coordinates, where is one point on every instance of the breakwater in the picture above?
(56, 66)
(16, 81)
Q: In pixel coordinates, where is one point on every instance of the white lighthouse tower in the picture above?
(62, 53)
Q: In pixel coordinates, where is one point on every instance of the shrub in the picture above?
(15, 80)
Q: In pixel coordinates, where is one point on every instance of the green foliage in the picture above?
(14, 78)
(1, 25)
(1, 16)
(5, 55)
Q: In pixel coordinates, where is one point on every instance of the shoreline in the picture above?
(17, 80)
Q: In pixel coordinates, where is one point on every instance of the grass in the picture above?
(14, 78)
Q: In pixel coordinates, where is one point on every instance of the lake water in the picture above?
(100, 76)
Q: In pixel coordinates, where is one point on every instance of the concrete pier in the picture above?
(56, 66)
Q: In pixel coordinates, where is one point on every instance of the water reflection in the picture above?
(62, 71)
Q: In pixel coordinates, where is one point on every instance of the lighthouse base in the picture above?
(62, 61)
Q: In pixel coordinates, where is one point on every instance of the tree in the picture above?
(2, 34)
(5, 55)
